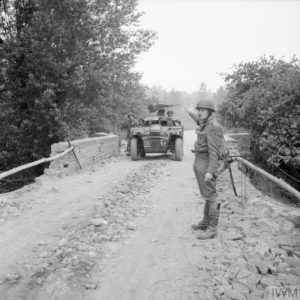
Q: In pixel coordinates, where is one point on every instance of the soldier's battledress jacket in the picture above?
(128, 124)
(209, 142)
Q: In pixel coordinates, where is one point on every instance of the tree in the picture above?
(220, 95)
(66, 71)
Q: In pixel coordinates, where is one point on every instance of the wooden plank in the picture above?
(35, 163)
(278, 181)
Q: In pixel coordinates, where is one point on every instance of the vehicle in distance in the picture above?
(158, 134)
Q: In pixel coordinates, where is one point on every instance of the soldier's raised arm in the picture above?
(193, 115)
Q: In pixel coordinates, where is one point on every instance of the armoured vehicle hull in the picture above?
(157, 135)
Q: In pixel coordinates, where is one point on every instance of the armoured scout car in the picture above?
(158, 134)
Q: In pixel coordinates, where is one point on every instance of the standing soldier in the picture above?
(128, 124)
(170, 117)
(208, 151)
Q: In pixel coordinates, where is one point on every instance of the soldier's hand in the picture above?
(208, 177)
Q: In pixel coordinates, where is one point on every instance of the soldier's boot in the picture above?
(214, 214)
(203, 224)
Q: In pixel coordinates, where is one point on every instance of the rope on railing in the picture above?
(35, 163)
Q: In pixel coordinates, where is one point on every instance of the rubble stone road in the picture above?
(122, 231)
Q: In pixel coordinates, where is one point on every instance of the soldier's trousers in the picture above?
(207, 189)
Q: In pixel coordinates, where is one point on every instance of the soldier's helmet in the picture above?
(169, 113)
(206, 103)
(131, 114)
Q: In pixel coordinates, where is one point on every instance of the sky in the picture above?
(199, 39)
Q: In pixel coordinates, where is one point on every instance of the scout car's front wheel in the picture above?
(134, 149)
(178, 149)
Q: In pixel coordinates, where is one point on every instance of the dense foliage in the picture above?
(264, 98)
(65, 71)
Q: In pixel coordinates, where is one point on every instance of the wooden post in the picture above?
(74, 154)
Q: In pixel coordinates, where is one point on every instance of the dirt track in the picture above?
(122, 231)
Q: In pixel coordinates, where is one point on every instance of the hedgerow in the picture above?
(264, 98)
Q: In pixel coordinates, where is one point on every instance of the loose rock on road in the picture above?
(122, 231)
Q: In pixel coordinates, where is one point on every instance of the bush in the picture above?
(264, 98)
